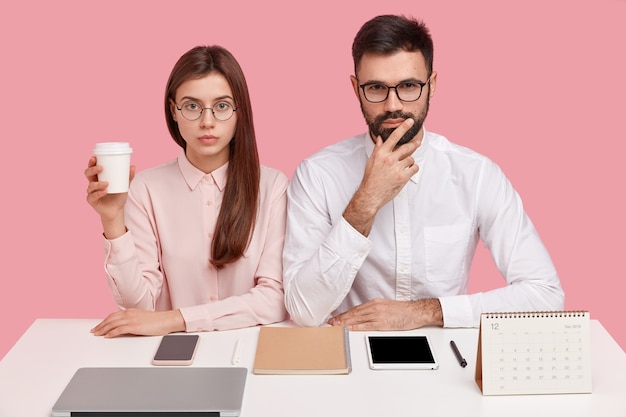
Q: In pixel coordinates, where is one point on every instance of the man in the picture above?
(382, 227)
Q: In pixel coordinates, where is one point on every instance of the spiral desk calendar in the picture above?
(534, 353)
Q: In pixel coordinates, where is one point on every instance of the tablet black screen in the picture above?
(400, 349)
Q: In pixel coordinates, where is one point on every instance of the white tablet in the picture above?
(400, 352)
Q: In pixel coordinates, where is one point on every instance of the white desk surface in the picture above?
(35, 371)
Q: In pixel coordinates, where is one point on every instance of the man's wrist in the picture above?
(428, 311)
(360, 214)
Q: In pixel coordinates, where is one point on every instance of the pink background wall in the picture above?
(538, 86)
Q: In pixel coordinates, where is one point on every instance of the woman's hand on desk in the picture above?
(140, 322)
(381, 314)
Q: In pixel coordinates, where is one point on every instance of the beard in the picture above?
(375, 123)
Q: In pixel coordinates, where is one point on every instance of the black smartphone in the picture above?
(176, 349)
(400, 352)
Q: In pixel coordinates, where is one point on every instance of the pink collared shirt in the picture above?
(162, 262)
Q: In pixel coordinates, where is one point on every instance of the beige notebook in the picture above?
(303, 350)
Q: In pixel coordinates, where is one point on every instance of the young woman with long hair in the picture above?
(196, 243)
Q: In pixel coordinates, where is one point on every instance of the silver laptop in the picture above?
(167, 392)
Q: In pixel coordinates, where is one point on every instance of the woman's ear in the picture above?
(173, 110)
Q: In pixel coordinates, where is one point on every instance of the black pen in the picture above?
(460, 358)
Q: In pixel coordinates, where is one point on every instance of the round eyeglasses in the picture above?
(192, 110)
(406, 91)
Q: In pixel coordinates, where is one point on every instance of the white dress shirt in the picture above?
(422, 242)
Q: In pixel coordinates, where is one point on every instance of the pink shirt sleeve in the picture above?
(162, 262)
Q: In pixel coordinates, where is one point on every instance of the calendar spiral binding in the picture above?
(536, 314)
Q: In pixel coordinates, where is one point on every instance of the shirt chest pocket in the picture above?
(446, 249)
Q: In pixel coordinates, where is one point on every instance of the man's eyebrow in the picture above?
(408, 80)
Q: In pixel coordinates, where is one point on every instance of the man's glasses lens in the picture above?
(407, 91)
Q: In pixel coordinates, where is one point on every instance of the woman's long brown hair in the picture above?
(237, 216)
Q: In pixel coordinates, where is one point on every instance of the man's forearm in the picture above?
(427, 312)
(360, 213)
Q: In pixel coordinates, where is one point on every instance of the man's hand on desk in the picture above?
(381, 314)
(140, 322)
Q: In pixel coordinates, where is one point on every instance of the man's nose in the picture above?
(393, 102)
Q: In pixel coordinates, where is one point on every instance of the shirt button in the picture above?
(212, 298)
(208, 203)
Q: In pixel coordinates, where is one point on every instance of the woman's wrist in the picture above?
(176, 321)
(114, 228)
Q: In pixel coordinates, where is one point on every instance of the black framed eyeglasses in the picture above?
(192, 110)
(375, 92)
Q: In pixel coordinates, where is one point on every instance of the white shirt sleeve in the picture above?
(323, 258)
(532, 283)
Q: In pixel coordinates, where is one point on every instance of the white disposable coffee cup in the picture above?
(114, 157)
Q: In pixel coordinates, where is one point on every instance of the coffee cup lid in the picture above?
(112, 148)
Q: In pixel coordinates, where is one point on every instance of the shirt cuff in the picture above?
(196, 318)
(119, 250)
(457, 311)
(347, 243)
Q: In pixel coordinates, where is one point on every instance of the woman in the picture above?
(196, 243)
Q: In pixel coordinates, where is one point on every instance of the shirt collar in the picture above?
(418, 155)
(193, 175)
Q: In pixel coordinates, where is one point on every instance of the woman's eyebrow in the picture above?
(225, 96)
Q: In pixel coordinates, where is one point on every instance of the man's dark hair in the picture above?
(387, 34)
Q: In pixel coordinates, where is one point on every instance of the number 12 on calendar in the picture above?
(534, 353)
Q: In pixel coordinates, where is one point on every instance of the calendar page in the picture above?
(534, 353)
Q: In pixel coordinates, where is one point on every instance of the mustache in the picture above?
(393, 115)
